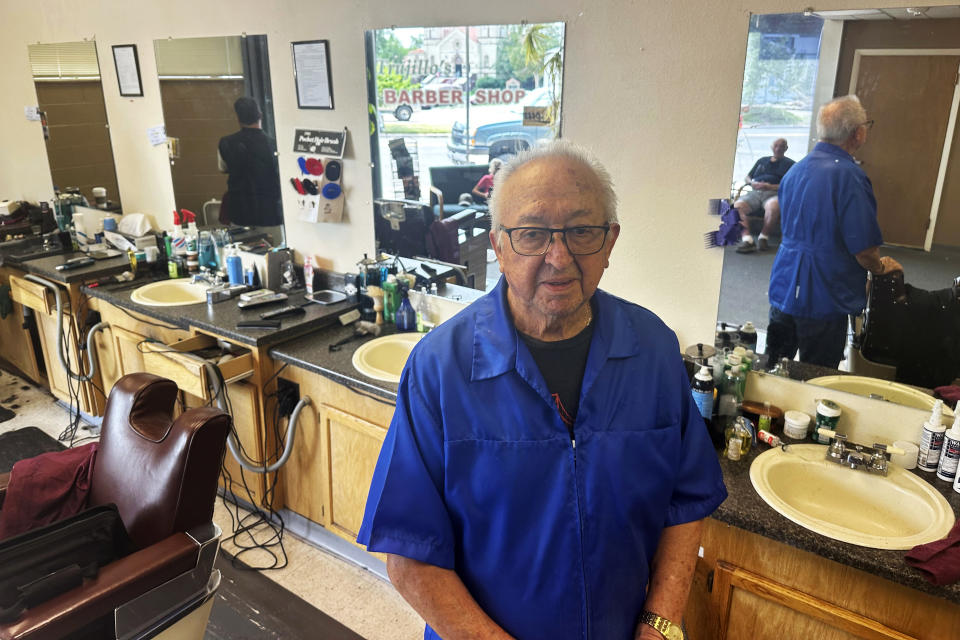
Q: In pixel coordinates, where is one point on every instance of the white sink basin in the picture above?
(170, 293)
(898, 511)
(383, 358)
(884, 389)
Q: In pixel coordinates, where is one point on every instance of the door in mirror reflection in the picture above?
(218, 112)
(66, 76)
(903, 64)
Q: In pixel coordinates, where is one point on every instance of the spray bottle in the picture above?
(176, 237)
(931, 442)
(950, 456)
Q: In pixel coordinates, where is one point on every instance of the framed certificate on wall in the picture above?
(311, 71)
(128, 69)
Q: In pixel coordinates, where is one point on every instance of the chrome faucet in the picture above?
(204, 276)
(875, 459)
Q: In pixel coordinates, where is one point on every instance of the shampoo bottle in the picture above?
(702, 389)
(950, 455)
(931, 441)
(234, 266)
(405, 317)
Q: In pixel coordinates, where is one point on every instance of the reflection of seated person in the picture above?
(764, 177)
(253, 182)
(483, 188)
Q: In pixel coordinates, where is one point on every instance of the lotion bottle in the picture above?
(931, 441)
(950, 456)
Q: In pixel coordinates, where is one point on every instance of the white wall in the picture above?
(653, 88)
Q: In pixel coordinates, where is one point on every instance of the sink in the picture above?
(898, 511)
(383, 358)
(170, 293)
(884, 389)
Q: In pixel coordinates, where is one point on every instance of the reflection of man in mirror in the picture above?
(574, 408)
(764, 178)
(831, 238)
(253, 184)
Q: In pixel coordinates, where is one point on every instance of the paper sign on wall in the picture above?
(157, 135)
(32, 113)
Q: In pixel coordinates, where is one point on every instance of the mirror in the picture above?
(444, 103)
(66, 76)
(223, 162)
(903, 65)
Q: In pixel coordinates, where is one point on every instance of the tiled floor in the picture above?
(353, 596)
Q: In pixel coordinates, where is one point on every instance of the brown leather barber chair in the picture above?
(162, 475)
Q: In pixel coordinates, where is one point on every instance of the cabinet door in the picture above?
(56, 375)
(127, 350)
(305, 482)
(246, 422)
(751, 606)
(108, 363)
(353, 446)
(16, 346)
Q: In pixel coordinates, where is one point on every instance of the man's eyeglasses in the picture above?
(535, 241)
(868, 124)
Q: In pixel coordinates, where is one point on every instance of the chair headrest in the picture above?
(145, 403)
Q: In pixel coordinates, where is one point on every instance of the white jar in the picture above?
(796, 424)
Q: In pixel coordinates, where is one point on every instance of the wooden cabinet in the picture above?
(338, 442)
(748, 586)
(16, 343)
(353, 445)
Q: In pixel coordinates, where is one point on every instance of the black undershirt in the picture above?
(562, 364)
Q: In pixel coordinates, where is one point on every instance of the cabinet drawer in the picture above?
(182, 363)
(34, 296)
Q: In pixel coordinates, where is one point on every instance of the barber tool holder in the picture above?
(875, 459)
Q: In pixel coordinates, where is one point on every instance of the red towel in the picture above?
(950, 394)
(47, 488)
(939, 560)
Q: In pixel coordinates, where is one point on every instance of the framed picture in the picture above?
(127, 64)
(311, 71)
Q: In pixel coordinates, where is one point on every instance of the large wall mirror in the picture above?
(222, 157)
(447, 104)
(70, 98)
(903, 65)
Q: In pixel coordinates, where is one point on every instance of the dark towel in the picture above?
(47, 488)
(938, 560)
(950, 394)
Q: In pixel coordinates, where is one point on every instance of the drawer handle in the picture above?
(91, 345)
(217, 382)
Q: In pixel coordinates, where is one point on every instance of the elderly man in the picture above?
(764, 177)
(830, 240)
(545, 465)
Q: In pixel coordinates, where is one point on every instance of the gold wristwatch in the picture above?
(667, 629)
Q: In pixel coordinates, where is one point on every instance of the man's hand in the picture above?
(441, 598)
(646, 632)
(889, 265)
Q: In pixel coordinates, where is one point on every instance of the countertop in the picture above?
(221, 318)
(312, 352)
(745, 509)
(46, 267)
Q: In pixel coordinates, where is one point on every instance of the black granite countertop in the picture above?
(46, 267)
(221, 318)
(312, 352)
(745, 509)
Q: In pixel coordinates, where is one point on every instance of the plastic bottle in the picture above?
(177, 237)
(423, 311)
(390, 302)
(234, 265)
(950, 454)
(748, 335)
(702, 389)
(730, 399)
(405, 317)
(931, 441)
(769, 438)
(308, 274)
(738, 438)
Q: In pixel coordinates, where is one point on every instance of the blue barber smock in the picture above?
(828, 214)
(478, 472)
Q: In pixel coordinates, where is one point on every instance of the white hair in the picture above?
(555, 149)
(839, 119)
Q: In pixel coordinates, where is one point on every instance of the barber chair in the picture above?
(448, 182)
(161, 473)
(401, 226)
(907, 334)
